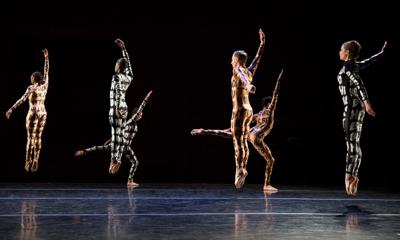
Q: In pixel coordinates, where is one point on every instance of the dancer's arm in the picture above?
(366, 62)
(362, 92)
(254, 64)
(46, 66)
(275, 95)
(125, 54)
(141, 107)
(20, 101)
(251, 88)
(368, 108)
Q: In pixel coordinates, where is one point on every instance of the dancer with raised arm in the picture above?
(264, 122)
(241, 86)
(37, 114)
(118, 108)
(356, 103)
(130, 131)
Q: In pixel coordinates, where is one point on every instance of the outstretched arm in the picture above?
(275, 95)
(226, 133)
(254, 64)
(20, 101)
(125, 54)
(366, 62)
(46, 65)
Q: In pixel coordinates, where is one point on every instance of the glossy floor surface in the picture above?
(175, 211)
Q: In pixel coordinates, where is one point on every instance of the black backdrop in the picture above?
(184, 57)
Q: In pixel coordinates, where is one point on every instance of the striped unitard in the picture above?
(119, 109)
(36, 117)
(353, 94)
(264, 122)
(130, 131)
(242, 113)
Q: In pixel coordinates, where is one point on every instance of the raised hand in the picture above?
(45, 53)
(262, 35)
(120, 43)
(278, 84)
(384, 46)
(280, 74)
(8, 114)
(148, 95)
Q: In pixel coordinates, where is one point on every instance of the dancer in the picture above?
(129, 133)
(356, 103)
(37, 114)
(264, 122)
(242, 112)
(118, 107)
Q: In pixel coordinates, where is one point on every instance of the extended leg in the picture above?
(226, 133)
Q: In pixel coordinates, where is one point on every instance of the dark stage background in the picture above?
(184, 57)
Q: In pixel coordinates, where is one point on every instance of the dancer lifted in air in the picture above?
(264, 122)
(37, 114)
(129, 133)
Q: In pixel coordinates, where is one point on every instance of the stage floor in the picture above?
(200, 211)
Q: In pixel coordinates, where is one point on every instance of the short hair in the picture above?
(37, 77)
(241, 56)
(265, 101)
(354, 48)
(122, 64)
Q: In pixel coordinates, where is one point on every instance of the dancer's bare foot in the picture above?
(79, 153)
(35, 165)
(240, 177)
(131, 183)
(28, 165)
(114, 166)
(270, 189)
(353, 186)
(197, 131)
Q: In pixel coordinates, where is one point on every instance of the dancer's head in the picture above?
(37, 77)
(350, 50)
(265, 101)
(239, 58)
(121, 65)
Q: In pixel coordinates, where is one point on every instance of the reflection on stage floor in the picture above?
(198, 211)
